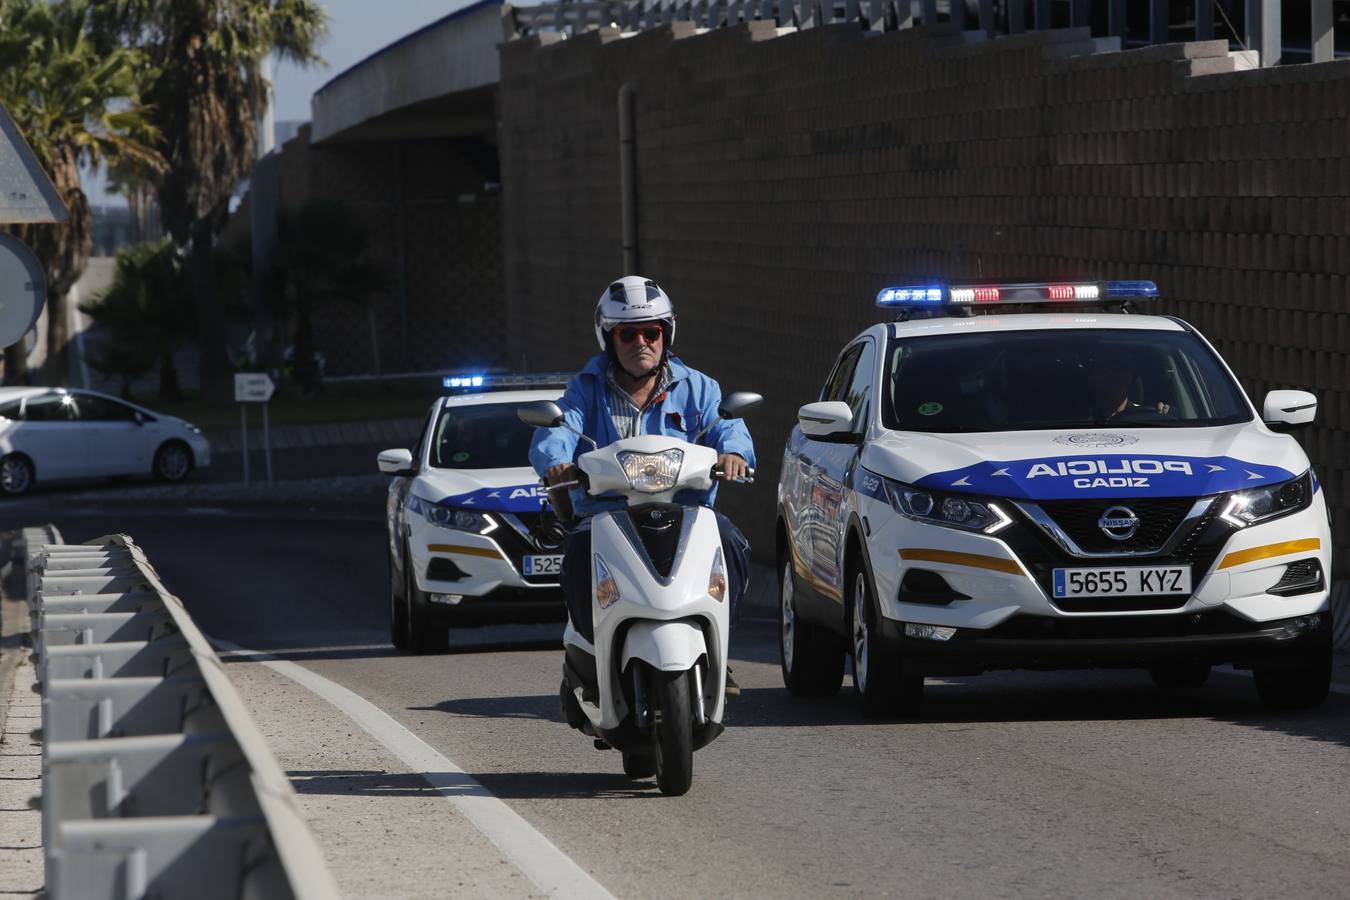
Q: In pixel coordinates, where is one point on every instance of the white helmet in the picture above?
(633, 298)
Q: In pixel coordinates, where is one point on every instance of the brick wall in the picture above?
(452, 251)
(784, 179)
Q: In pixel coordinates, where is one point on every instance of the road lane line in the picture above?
(538, 859)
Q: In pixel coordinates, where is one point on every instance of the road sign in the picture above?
(23, 289)
(253, 387)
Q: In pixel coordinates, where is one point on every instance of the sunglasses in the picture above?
(650, 333)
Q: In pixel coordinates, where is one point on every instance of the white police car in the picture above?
(468, 540)
(1016, 476)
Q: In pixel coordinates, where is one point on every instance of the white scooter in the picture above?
(653, 683)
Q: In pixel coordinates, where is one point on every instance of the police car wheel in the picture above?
(422, 634)
(398, 622)
(879, 676)
(1301, 686)
(1179, 674)
(812, 659)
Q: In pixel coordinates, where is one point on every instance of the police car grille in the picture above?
(516, 547)
(1158, 520)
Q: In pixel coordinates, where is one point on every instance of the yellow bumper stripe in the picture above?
(1238, 557)
(487, 552)
(974, 560)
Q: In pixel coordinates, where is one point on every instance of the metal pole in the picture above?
(243, 428)
(1043, 17)
(1159, 23)
(1116, 25)
(267, 443)
(1017, 17)
(1204, 20)
(628, 174)
(1323, 31)
(1263, 30)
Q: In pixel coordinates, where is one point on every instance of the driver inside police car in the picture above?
(1111, 374)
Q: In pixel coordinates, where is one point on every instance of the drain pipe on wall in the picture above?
(628, 174)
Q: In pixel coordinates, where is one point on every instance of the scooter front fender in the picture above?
(665, 646)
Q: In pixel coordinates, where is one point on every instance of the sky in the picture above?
(356, 29)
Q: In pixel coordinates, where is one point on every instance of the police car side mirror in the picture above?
(736, 404)
(828, 420)
(396, 462)
(540, 414)
(1286, 411)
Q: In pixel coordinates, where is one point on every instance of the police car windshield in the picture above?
(1031, 380)
(481, 436)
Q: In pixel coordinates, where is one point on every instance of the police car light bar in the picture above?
(504, 382)
(932, 296)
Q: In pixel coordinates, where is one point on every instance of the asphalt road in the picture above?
(1011, 785)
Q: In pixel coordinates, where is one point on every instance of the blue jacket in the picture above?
(690, 403)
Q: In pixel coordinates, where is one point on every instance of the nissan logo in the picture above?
(1118, 523)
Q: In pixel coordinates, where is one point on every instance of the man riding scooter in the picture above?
(636, 387)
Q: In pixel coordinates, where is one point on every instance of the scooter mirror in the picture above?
(540, 414)
(736, 404)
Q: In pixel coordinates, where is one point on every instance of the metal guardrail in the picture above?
(1254, 25)
(155, 780)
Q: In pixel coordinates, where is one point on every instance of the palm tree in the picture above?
(208, 92)
(322, 259)
(145, 315)
(78, 105)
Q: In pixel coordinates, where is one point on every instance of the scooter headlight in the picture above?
(717, 578)
(652, 473)
(606, 588)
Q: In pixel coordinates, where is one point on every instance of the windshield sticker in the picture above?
(1096, 439)
(931, 408)
(461, 456)
(518, 498)
(1069, 478)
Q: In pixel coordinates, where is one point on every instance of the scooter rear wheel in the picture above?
(673, 733)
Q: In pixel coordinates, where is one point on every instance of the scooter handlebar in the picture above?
(718, 474)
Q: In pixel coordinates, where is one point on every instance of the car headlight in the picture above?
(1263, 504)
(192, 428)
(950, 510)
(449, 517)
(652, 473)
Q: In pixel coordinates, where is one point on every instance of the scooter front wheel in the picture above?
(673, 732)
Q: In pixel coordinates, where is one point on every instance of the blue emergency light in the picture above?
(941, 296)
(476, 382)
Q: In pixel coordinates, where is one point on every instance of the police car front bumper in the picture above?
(1000, 612)
(463, 576)
(1215, 637)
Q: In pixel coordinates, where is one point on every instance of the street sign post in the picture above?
(254, 387)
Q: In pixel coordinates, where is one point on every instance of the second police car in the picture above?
(1030, 476)
(468, 540)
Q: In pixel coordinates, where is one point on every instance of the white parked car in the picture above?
(54, 434)
(469, 541)
(1054, 483)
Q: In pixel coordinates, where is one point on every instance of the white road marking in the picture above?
(537, 858)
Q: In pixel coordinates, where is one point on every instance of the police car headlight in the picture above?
(1263, 504)
(949, 510)
(652, 473)
(449, 517)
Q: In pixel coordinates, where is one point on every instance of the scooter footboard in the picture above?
(665, 646)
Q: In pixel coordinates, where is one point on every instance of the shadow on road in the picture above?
(503, 785)
(529, 707)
